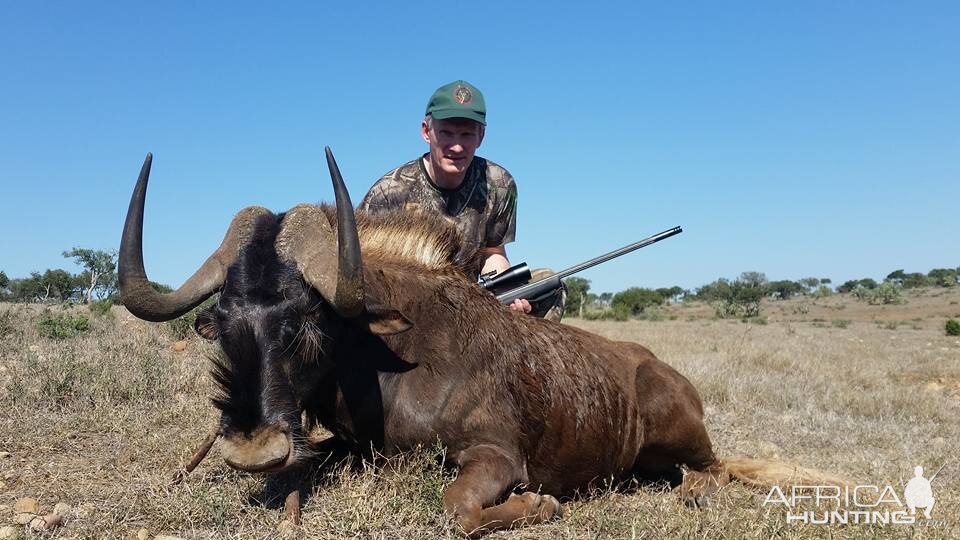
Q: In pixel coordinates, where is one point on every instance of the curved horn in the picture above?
(349, 295)
(139, 296)
(307, 240)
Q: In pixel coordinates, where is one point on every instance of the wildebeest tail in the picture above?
(765, 474)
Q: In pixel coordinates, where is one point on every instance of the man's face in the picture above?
(453, 142)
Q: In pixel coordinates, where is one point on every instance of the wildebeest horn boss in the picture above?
(369, 326)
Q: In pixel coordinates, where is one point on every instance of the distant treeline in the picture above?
(97, 281)
(740, 297)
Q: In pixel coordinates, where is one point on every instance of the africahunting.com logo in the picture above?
(861, 504)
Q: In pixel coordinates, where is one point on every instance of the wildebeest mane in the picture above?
(421, 239)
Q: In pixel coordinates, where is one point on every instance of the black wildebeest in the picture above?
(368, 325)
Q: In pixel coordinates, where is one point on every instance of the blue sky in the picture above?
(797, 139)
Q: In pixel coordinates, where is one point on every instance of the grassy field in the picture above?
(100, 421)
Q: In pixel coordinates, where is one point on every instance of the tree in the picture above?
(849, 286)
(943, 277)
(4, 283)
(740, 298)
(605, 298)
(670, 293)
(825, 281)
(577, 288)
(914, 280)
(51, 285)
(753, 279)
(810, 283)
(636, 299)
(785, 288)
(711, 292)
(897, 276)
(746, 297)
(100, 270)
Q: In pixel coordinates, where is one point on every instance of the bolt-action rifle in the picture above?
(511, 284)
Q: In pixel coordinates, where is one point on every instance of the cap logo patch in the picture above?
(462, 94)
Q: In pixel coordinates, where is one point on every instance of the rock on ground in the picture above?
(10, 533)
(27, 505)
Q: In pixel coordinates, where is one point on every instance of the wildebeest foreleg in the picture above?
(291, 507)
(486, 473)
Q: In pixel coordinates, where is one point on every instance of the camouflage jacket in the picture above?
(484, 206)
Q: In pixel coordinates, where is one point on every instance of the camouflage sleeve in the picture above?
(378, 200)
(501, 229)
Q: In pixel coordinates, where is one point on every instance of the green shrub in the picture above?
(840, 323)
(726, 309)
(651, 315)
(953, 327)
(886, 293)
(735, 300)
(182, 326)
(613, 314)
(636, 299)
(62, 325)
(101, 308)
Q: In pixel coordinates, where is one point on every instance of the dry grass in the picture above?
(102, 420)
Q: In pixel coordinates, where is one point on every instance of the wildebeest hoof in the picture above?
(543, 507)
(700, 501)
(528, 498)
(550, 508)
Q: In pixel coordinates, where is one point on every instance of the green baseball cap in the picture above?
(458, 99)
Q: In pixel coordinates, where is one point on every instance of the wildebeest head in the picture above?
(288, 286)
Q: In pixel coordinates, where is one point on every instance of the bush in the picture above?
(727, 309)
(953, 327)
(849, 286)
(886, 293)
(651, 315)
(613, 314)
(636, 299)
(182, 326)
(62, 325)
(101, 308)
(736, 299)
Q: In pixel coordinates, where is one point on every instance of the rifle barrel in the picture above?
(618, 252)
(520, 292)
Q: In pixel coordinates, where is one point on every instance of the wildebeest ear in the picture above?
(205, 326)
(384, 321)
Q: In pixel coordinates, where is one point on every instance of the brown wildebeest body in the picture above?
(568, 405)
(402, 349)
(530, 401)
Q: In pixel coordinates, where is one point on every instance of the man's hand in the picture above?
(496, 260)
(521, 304)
